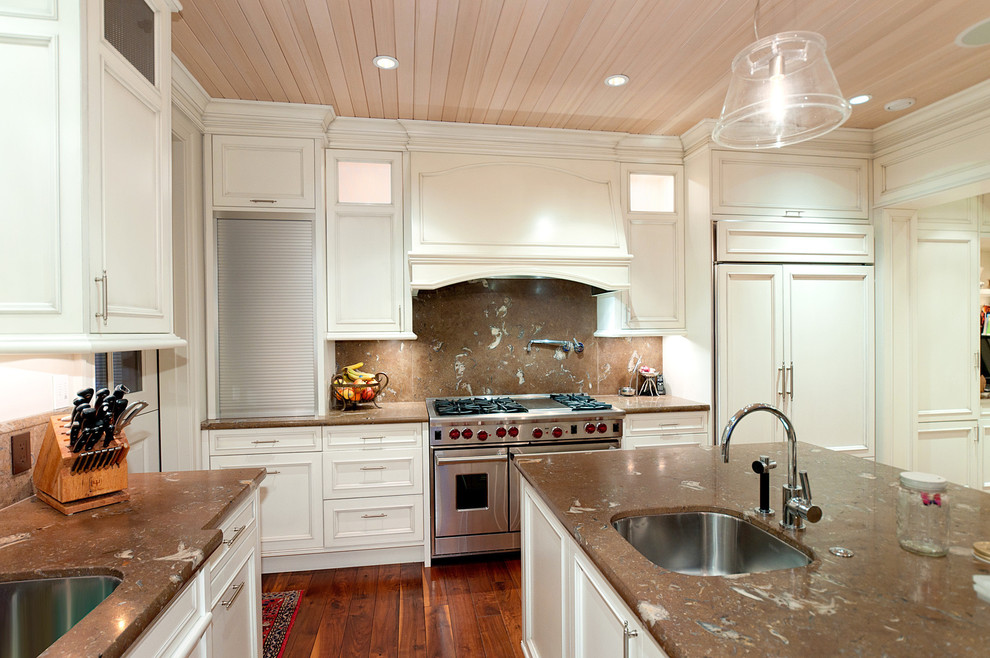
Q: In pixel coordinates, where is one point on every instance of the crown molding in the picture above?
(932, 121)
(188, 95)
(174, 6)
(367, 134)
(237, 117)
(656, 149)
(844, 142)
(698, 136)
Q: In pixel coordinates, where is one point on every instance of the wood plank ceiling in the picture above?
(543, 62)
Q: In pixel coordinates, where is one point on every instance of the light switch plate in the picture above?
(60, 388)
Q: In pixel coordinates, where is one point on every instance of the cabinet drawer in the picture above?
(660, 440)
(392, 520)
(237, 531)
(286, 439)
(263, 172)
(776, 185)
(675, 422)
(352, 473)
(400, 435)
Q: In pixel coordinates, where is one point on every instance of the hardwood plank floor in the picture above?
(462, 608)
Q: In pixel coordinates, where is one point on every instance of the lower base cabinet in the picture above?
(218, 613)
(569, 609)
(668, 428)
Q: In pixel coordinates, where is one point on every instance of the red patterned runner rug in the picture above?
(278, 612)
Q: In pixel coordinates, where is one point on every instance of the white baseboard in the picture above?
(341, 559)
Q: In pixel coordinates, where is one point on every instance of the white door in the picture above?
(142, 436)
(291, 498)
(138, 371)
(830, 354)
(750, 348)
(946, 326)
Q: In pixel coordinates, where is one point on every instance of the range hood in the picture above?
(493, 216)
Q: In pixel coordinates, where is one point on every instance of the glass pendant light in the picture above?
(782, 92)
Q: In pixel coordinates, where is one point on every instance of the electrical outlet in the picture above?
(20, 453)
(60, 385)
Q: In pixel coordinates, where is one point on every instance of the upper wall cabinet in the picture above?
(653, 214)
(775, 185)
(263, 172)
(87, 220)
(367, 289)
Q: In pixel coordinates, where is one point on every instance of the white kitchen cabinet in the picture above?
(98, 241)
(799, 337)
(265, 440)
(236, 625)
(291, 510)
(356, 473)
(569, 609)
(264, 172)
(775, 185)
(368, 294)
(653, 212)
(983, 454)
(949, 449)
(669, 428)
(946, 317)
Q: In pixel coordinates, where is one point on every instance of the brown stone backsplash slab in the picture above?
(472, 340)
(18, 487)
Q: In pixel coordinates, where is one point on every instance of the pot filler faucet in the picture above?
(797, 498)
(565, 345)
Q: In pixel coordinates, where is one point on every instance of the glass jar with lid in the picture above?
(923, 513)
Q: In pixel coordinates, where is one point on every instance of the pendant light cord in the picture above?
(756, 15)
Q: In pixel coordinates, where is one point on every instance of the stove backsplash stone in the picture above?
(473, 336)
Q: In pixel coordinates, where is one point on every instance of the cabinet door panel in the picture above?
(363, 266)
(949, 450)
(544, 582)
(263, 172)
(749, 335)
(597, 626)
(133, 224)
(235, 629)
(291, 500)
(656, 297)
(830, 335)
(946, 326)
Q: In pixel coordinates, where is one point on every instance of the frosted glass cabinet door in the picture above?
(749, 347)
(366, 290)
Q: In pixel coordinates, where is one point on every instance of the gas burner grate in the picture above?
(474, 406)
(580, 402)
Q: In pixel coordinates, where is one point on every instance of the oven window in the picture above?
(472, 491)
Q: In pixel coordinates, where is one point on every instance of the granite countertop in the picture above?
(416, 412)
(883, 601)
(155, 542)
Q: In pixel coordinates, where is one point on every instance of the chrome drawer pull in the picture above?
(266, 441)
(263, 201)
(373, 516)
(267, 472)
(373, 468)
(237, 533)
(237, 590)
(626, 634)
(372, 438)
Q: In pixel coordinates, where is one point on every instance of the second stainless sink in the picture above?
(708, 544)
(35, 613)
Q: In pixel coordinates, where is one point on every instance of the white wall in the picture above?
(28, 384)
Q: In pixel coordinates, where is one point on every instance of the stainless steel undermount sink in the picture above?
(35, 613)
(708, 544)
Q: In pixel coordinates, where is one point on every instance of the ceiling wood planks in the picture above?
(543, 62)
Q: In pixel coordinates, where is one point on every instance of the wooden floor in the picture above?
(463, 608)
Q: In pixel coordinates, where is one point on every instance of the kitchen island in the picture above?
(881, 601)
(156, 542)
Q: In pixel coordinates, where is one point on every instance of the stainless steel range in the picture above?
(472, 443)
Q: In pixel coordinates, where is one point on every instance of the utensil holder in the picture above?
(77, 481)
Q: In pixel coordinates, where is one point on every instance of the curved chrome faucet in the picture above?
(796, 497)
(565, 345)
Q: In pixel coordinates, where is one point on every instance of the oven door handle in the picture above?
(463, 460)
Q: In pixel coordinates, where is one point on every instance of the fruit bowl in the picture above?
(349, 394)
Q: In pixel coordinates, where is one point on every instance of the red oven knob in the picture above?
(557, 432)
(454, 434)
(602, 428)
(467, 434)
(500, 432)
(482, 435)
(590, 428)
(513, 431)
(537, 432)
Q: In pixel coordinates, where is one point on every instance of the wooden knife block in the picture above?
(69, 492)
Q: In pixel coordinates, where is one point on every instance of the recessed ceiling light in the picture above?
(859, 100)
(975, 36)
(899, 104)
(385, 62)
(616, 80)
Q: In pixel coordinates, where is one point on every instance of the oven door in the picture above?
(471, 491)
(514, 508)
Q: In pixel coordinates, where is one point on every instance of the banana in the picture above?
(357, 375)
(354, 366)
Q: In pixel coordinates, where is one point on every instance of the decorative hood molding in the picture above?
(486, 216)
